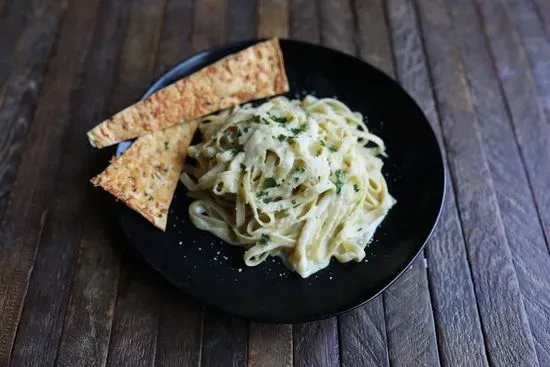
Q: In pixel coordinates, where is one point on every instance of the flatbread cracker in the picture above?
(146, 175)
(253, 73)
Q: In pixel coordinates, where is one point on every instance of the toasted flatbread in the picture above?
(253, 73)
(146, 175)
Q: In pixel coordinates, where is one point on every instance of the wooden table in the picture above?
(72, 293)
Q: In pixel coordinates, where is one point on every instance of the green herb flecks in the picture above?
(264, 239)
(279, 120)
(299, 130)
(339, 181)
(269, 182)
(281, 137)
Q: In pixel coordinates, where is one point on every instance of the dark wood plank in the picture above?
(337, 25)
(13, 20)
(507, 333)
(304, 21)
(40, 162)
(532, 36)
(242, 20)
(409, 320)
(460, 339)
(87, 325)
(22, 78)
(40, 327)
(136, 322)
(373, 40)
(524, 235)
(316, 343)
(270, 345)
(180, 330)
(363, 339)
(273, 18)
(224, 337)
(513, 69)
(136, 318)
(181, 318)
(175, 40)
(224, 340)
(209, 24)
(543, 11)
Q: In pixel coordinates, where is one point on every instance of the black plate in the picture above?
(213, 271)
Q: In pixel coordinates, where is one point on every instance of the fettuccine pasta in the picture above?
(297, 179)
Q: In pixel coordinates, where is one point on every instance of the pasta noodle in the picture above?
(298, 179)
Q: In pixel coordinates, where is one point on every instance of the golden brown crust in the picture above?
(253, 73)
(146, 175)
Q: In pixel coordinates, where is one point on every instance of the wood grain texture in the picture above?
(524, 234)
(460, 339)
(224, 340)
(531, 34)
(136, 317)
(180, 330)
(373, 40)
(304, 20)
(512, 62)
(87, 326)
(273, 18)
(528, 118)
(136, 321)
(242, 20)
(209, 24)
(175, 39)
(507, 333)
(22, 80)
(543, 11)
(362, 331)
(19, 238)
(337, 25)
(316, 343)
(270, 345)
(42, 318)
(13, 20)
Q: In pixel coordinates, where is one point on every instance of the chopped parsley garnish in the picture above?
(322, 142)
(281, 137)
(279, 120)
(243, 167)
(264, 238)
(332, 148)
(262, 193)
(356, 188)
(246, 129)
(293, 202)
(301, 129)
(339, 182)
(299, 169)
(269, 182)
(239, 133)
(235, 151)
(256, 119)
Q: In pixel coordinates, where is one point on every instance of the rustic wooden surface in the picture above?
(73, 294)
